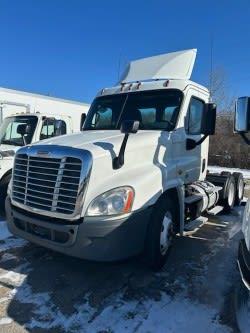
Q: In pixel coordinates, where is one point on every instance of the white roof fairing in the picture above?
(175, 65)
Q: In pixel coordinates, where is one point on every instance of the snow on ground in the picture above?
(245, 172)
(146, 315)
(175, 313)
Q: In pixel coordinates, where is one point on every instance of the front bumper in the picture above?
(244, 263)
(93, 240)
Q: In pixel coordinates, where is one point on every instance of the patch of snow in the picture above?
(144, 315)
(16, 277)
(5, 321)
(245, 172)
(166, 315)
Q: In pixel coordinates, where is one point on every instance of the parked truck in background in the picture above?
(26, 118)
(136, 175)
(242, 126)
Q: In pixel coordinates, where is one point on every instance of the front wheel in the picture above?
(3, 189)
(161, 232)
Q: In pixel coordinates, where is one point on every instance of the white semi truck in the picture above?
(26, 118)
(133, 178)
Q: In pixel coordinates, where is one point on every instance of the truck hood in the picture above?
(9, 147)
(101, 143)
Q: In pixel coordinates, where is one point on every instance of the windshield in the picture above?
(155, 110)
(10, 130)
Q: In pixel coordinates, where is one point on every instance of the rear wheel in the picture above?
(229, 191)
(239, 183)
(161, 232)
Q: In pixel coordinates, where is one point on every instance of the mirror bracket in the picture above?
(118, 161)
(127, 127)
(191, 144)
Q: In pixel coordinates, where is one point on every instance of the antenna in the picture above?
(119, 66)
(211, 65)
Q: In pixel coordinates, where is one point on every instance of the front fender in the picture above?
(149, 181)
(6, 166)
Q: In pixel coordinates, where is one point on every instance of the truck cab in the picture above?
(23, 129)
(133, 178)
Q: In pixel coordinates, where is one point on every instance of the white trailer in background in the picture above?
(26, 118)
(16, 102)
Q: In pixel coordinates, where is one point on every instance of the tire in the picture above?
(239, 183)
(229, 191)
(3, 189)
(161, 232)
(242, 307)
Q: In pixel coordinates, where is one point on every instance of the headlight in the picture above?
(6, 153)
(114, 202)
(246, 224)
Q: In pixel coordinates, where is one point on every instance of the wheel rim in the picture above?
(166, 236)
(231, 194)
(241, 189)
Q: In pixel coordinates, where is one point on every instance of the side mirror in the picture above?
(130, 126)
(28, 129)
(208, 122)
(242, 115)
(23, 129)
(60, 127)
(83, 118)
(58, 124)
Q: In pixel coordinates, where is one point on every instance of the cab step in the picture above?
(215, 210)
(195, 224)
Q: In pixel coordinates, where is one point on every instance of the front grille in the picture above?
(48, 184)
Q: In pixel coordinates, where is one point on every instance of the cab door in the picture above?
(190, 164)
(199, 154)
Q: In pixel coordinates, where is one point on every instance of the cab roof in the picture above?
(152, 85)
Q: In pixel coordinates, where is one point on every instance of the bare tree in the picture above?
(219, 90)
(226, 148)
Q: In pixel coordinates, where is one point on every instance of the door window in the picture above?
(195, 113)
(52, 127)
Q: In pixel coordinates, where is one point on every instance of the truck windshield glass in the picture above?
(155, 110)
(10, 130)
